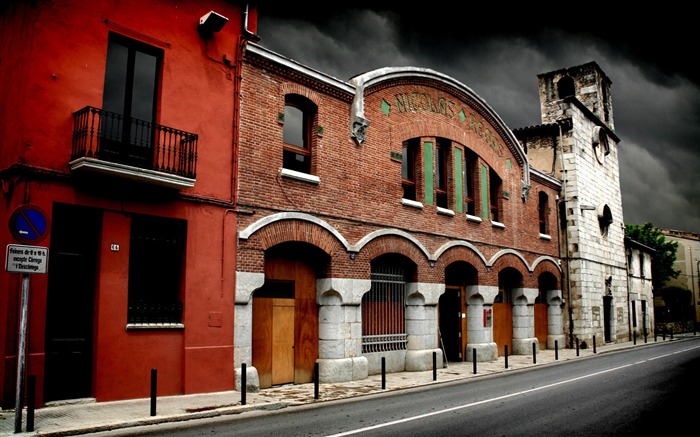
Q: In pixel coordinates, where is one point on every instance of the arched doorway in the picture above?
(285, 315)
(452, 310)
(508, 280)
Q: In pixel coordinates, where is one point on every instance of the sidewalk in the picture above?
(67, 419)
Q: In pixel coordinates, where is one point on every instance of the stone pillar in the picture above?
(422, 325)
(524, 320)
(555, 321)
(340, 329)
(480, 337)
(246, 284)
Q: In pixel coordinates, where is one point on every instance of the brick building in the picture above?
(399, 186)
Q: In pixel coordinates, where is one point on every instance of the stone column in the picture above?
(246, 284)
(422, 325)
(555, 321)
(524, 320)
(340, 329)
(480, 337)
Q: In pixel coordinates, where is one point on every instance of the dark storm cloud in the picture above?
(656, 97)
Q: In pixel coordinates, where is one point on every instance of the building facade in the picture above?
(577, 145)
(108, 130)
(390, 217)
(211, 204)
(687, 263)
(641, 291)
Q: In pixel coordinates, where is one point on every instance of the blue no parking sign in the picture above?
(29, 224)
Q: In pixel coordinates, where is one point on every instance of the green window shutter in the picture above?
(485, 210)
(459, 184)
(429, 170)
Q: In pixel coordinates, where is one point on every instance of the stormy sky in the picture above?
(498, 51)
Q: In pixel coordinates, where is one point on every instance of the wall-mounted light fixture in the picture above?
(211, 22)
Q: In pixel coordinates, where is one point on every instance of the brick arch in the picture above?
(393, 244)
(295, 88)
(297, 230)
(548, 266)
(510, 259)
(461, 253)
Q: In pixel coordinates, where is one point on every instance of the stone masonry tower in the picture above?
(576, 143)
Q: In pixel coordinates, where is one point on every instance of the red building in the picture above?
(118, 123)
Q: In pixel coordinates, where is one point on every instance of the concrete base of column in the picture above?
(342, 369)
(523, 346)
(484, 351)
(560, 339)
(421, 360)
(252, 381)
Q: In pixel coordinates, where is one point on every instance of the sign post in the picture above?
(28, 224)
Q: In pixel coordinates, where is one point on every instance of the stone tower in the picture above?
(577, 144)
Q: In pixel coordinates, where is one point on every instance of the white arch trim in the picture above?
(253, 227)
(546, 258)
(504, 252)
(384, 232)
(451, 244)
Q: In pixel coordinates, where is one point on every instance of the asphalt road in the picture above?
(631, 392)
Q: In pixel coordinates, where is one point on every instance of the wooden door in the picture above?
(503, 327)
(282, 371)
(285, 324)
(451, 335)
(541, 324)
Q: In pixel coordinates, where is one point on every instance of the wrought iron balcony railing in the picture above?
(108, 136)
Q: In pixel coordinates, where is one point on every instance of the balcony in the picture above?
(108, 143)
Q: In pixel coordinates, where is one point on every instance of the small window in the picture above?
(495, 188)
(469, 181)
(543, 210)
(298, 121)
(641, 264)
(441, 159)
(156, 263)
(408, 169)
(566, 87)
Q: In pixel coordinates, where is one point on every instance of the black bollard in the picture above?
(594, 344)
(534, 353)
(505, 348)
(474, 360)
(434, 366)
(154, 390)
(671, 334)
(315, 380)
(634, 338)
(577, 347)
(383, 373)
(31, 401)
(556, 350)
(244, 383)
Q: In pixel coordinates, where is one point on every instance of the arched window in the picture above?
(469, 180)
(495, 190)
(408, 168)
(299, 114)
(442, 153)
(566, 87)
(543, 210)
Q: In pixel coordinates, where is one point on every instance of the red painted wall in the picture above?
(53, 63)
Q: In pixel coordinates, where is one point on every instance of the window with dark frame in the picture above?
(156, 265)
(441, 158)
(299, 114)
(408, 168)
(469, 181)
(543, 212)
(132, 74)
(495, 187)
